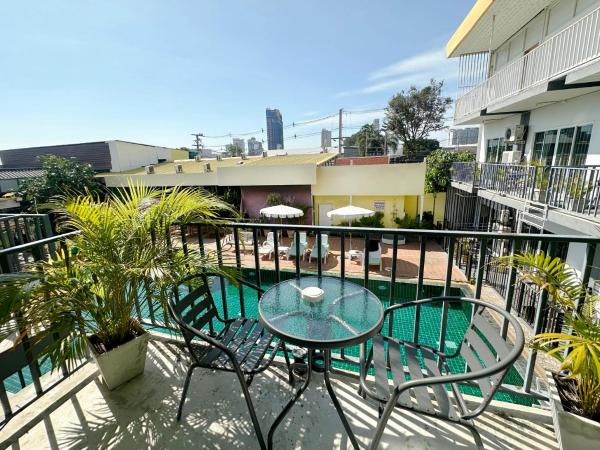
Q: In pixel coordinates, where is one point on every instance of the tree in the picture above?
(375, 144)
(60, 176)
(437, 173)
(232, 150)
(413, 115)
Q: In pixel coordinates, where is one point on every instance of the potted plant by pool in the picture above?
(121, 262)
(575, 388)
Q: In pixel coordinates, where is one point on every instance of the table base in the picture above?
(298, 394)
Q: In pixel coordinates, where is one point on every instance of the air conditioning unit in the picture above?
(511, 157)
(207, 167)
(178, 168)
(219, 157)
(265, 154)
(521, 134)
(198, 158)
(150, 169)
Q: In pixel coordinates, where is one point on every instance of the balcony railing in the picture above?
(573, 46)
(573, 189)
(431, 253)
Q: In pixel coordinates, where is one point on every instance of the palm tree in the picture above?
(121, 257)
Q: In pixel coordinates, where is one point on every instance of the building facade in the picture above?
(325, 138)
(536, 98)
(255, 147)
(113, 156)
(274, 129)
(240, 144)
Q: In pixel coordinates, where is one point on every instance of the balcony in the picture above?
(571, 48)
(42, 408)
(572, 190)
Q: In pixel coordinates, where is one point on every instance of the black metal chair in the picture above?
(241, 346)
(487, 354)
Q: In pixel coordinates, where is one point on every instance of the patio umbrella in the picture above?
(350, 213)
(281, 212)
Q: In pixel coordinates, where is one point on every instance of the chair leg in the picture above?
(476, 436)
(288, 364)
(387, 412)
(186, 385)
(251, 409)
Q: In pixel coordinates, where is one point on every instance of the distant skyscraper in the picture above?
(376, 124)
(274, 129)
(254, 147)
(239, 143)
(325, 138)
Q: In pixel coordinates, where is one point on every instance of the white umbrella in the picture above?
(349, 213)
(281, 212)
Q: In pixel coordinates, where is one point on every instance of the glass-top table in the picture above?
(348, 314)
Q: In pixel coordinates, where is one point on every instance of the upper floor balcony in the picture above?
(569, 58)
(574, 190)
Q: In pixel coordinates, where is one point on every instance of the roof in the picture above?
(192, 166)
(13, 174)
(499, 19)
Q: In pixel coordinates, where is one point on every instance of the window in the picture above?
(564, 147)
(494, 150)
(581, 145)
(565, 144)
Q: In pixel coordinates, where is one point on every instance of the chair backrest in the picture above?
(483, 347)
(247, 236)
(324, 239)
(374, 246)
(196, 311)
(270, 237)
(302, 238)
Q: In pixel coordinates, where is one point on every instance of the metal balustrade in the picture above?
(573, 189)
(236, 252)
(575, 45)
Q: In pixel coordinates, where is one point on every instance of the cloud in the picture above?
(417, 63)
(415, 70)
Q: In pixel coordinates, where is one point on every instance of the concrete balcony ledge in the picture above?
(82, 413)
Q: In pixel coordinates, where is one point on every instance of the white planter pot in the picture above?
(122, 363)
(572, 431)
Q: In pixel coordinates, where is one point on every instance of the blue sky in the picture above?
(155, 71)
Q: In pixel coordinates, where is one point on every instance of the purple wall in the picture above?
(254, 198)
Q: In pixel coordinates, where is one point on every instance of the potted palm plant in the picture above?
(121, 261)
(575, 388)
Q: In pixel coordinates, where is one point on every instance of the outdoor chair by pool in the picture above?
(314, 252)
(487, 354)
(374, 254)
(292, 250)
(237, 345)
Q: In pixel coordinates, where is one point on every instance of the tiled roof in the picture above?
(12, 174)
(190, 166)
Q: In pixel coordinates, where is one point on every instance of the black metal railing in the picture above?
(392, 277)
(573, 189)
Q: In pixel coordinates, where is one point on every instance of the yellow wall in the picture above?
(440, 203)
(376, 179)
(364, 201)
(271, 175)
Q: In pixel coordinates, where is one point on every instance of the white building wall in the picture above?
(575, 112)
(128, 155)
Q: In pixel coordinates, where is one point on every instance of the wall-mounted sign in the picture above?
(379, 204)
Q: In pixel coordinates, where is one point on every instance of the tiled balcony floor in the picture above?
(141, 415)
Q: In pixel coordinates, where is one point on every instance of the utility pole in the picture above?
(198, 142)
(340, 141)
(385, 151)
(366, 143)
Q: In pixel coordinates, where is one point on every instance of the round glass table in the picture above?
(348, 314)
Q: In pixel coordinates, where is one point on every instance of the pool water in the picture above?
(402, 326)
